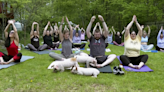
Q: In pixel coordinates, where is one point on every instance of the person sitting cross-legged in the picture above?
(66, 42)
(77, 38)
(97, 44)
(34, 35)
(132, 57)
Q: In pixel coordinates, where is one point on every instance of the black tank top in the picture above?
(35, 42)
(56, 37)
(48, 40)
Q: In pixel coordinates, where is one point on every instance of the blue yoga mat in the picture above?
(24, 58)
(153, 51)
(142, 69)
(41, 52)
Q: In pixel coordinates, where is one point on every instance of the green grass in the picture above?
(33, 76)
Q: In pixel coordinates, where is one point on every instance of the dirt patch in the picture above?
(9, 90)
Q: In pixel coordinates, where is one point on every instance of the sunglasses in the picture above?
(11, 32)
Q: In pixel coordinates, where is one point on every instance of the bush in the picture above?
(24, 37)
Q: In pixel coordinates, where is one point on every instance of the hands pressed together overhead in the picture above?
(100, 18)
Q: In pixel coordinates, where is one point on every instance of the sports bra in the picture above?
(144, 39)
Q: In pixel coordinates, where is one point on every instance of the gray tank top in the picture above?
(66, 48)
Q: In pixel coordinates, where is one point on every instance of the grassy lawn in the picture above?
(33, 76)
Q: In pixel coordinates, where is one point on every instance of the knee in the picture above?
(45, 45)
(51, 53)
(146, 56)
(121, 57)
(19, 54)
(152, 45)
(29, 45)
(112, 55)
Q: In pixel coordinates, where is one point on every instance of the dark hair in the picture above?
(97, 30)
(7, 42)
(161, 33)
(132, 32)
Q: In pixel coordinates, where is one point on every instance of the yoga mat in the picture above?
(61, 49)
(145, 68)
(24, 58)
(106, 50)
(41, 52)
(146, 50)
(105, 69)
(154, 51)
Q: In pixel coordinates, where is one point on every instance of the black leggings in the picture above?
(134, 60)
(158, 48)
(8, 57)
(106, 45)
(78, 45)
(56, 45)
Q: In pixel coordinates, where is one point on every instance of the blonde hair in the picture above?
(65, 31)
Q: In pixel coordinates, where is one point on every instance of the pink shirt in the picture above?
(82, 36)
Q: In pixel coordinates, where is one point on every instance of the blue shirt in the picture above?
(144, 39)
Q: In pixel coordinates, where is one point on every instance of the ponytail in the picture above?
(7, 42)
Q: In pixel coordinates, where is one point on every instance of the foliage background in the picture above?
(117, 13)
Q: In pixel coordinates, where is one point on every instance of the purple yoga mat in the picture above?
(145, 68)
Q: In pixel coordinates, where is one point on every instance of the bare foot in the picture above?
(4, 63)
(98, 66)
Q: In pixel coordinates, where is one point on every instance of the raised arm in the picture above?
(138, 27)
(45, 29)
(149, 31)
(37, 29)
(113, 30)
(89, 27)
(60, 30)
(79, 32)
(123, 32)
(51, 31)
(127, 32)
(95, 28)
(159, 33)
(100, 28)
(70, 28)
(74, 32)
(82, 29)
(32, 31)
(15, 31)
(6, 30)
(105, 28)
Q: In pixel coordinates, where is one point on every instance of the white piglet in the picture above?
(86, 71)
(61, 65)
(86, 59)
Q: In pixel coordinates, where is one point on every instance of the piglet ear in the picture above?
(72, 67)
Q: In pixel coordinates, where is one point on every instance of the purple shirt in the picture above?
(76, 39)
(160, 42)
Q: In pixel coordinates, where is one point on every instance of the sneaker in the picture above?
(120, 71)
(116, 71)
